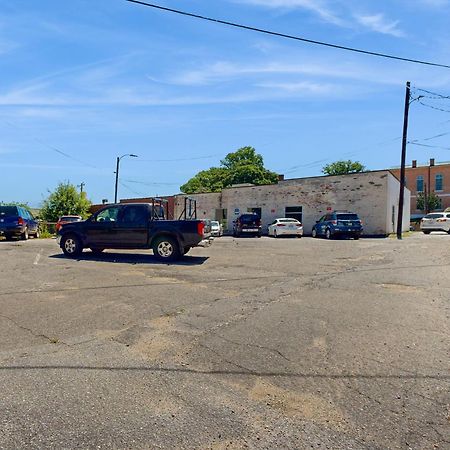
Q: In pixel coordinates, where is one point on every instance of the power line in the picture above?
(428, 146)
(433, 107)
(432, 137)
(55, 149)
(195, 158)
(435, 95)
(152, 184)
(288, 36)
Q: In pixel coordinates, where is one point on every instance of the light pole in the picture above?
(117, 172)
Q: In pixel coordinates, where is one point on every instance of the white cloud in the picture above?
(378, 23)
(318, 7)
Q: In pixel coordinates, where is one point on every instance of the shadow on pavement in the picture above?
(132, 258)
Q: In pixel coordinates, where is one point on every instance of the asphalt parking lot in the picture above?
(252, 343)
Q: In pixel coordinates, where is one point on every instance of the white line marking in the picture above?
(38, 257)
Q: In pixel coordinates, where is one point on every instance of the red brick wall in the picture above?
(429, 181)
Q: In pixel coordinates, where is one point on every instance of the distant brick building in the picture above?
(434, 177)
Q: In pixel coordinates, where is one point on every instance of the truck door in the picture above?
(133, 226)
(101, 229)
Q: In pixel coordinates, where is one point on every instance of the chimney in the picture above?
(414, 163)
(280, 177)
(431, 162)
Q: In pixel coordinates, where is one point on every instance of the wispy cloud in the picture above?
(316, 6)
(379, 24)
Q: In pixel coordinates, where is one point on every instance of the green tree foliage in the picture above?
(23, 205)
(343, 167)
(241, 166)
(429, 202)
(65, 200)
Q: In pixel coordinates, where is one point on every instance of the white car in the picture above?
(286, 227)
(216, 228)
(435, 222)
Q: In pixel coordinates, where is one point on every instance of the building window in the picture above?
(294, 212)
(439, 182)
(419, 183)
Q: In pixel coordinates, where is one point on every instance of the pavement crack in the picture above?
(29, 330)
(262, 347)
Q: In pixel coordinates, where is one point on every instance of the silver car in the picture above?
(216, 228)
(435, 222)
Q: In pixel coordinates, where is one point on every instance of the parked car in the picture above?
(338, 223)
(133, 226)
(435, 222)
(67, 219)
(216, 228)
(247, 224)
(16, 221)
(286, 227)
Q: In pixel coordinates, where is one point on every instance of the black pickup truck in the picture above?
(133, 226)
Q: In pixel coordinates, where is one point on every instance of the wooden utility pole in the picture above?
(82, 186)
(403, 162)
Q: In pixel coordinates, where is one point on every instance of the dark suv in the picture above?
(338, 223)
(247, 224)
(16, 221)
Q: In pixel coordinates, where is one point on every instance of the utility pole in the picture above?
(117, 179)
(403, 162)
(117, 172)
(81, 186)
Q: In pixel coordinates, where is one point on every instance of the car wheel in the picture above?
(327, 233)
(71, 245)
(356, 237)
(258, 235)
(24, 236)
(314, 233)
(97, 251)
(275, 234)
(166, 249)
(37, 235)
(426, 232)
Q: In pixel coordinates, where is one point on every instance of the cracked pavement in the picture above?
(252, 343)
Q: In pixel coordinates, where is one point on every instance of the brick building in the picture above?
(434, 177)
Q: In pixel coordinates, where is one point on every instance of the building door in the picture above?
(294, 212)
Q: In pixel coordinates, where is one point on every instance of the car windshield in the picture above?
(214, 223)
(433, 216)
(8, 211)
(347, 217)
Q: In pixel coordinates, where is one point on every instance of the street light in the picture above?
(117, 172)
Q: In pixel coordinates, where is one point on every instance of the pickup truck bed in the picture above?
(133, 226)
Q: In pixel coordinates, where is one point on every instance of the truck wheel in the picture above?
(24, 236)
(166, 248)
(71, 245)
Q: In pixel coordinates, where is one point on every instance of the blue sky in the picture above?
(98, 79)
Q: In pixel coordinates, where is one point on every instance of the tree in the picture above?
(63, 201)
(23, 205)
(211, 180)
(428, 202)
(343, 167)
(241, 166)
